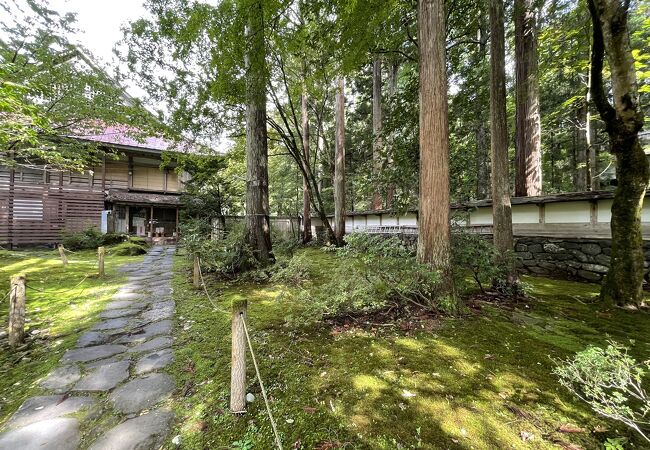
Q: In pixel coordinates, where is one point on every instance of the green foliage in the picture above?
(372, 273)
(475, 254)
(227, 256)
(132, 247)
(51, 90)
(90, 238)
(610, 381)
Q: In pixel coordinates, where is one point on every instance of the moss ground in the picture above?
(481, 381)
(61, 303)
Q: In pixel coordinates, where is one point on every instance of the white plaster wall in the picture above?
(408, 220)
(388, 221)
(525, 214)
(604, 211)
(567, 212)
(481, 216)
(373, 220)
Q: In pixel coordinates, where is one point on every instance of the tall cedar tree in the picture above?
(528, 140)
(434, 231)
(339, 165)
(306, 201)
(377, 141)
(258, 230)
(501, 209)
(623, 121)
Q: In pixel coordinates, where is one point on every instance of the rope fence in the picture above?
(241, 316)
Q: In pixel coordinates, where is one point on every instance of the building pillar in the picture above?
(151, 222)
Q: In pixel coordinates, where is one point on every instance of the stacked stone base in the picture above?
(573, 259)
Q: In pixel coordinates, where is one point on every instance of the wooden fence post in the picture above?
(17, 310)
(197, 271)
(100, 256)
(64, 259)
(238, 370)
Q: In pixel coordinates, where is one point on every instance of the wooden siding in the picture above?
(37, 214)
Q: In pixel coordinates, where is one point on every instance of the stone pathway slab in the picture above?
(104, 378)
(154, 344)
(154, 361)
(142, 393)
(53, 434)
(93, 353)
(37, 409)
(145, 432)
(61, 378)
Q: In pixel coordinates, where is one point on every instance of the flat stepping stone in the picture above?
(91, 338)
(154, 344)
(93, 353)
(61, 378)
(104, 378)
(116, 313)
(151, 330)
(53, 434)
(160, 311)
(103, 362)
(38, 409)
(154, 361)
(110, 324)
(142, 393)
(145, 432)
(120, 304)
(123, 296)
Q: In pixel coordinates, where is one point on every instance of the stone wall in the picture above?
(575, 259)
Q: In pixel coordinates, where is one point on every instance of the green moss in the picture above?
(473, 382)
(61, 303)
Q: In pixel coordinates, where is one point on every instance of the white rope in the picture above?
(259, 379)
(214, 305)
(8, 292)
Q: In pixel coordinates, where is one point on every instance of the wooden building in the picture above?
(126, 194)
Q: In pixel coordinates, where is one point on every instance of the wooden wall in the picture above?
(37, 214)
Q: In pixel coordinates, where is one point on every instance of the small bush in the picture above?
(226, 256)
(130, 248)
(476, 255)
(611, 382)
(284, 244)
(293, 272)
(90, 238)
(372, 273)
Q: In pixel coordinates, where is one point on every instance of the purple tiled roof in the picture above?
(124, 135)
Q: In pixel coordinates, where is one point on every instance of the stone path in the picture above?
(111, 377)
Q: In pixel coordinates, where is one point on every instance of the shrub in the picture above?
(90, 238)
(294, 271)
(132, 247)
(226, 256)
(474, 254)
(372, 273)
(610, 381)
(284, 244)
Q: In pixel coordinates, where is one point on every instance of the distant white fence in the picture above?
(574, 215)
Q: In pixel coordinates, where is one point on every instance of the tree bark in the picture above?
(593, 182)
(258, 230)
(433, 220)
(501, 208)
(306, 202)
(623, 283)
(377, 143)
(339, 166)
(581, 161)
(528, 156)
(482, 169)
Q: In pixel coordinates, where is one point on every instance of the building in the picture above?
(127, 193)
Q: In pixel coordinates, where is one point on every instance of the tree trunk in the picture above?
(482, 171)
(582, 166)
(377, 142)
(528, 156)
(306, 203)
(258, 230)
(339, 166)
(392, 91)
(433, 220)
(623, 121)
(593, 182)
(501, 209)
